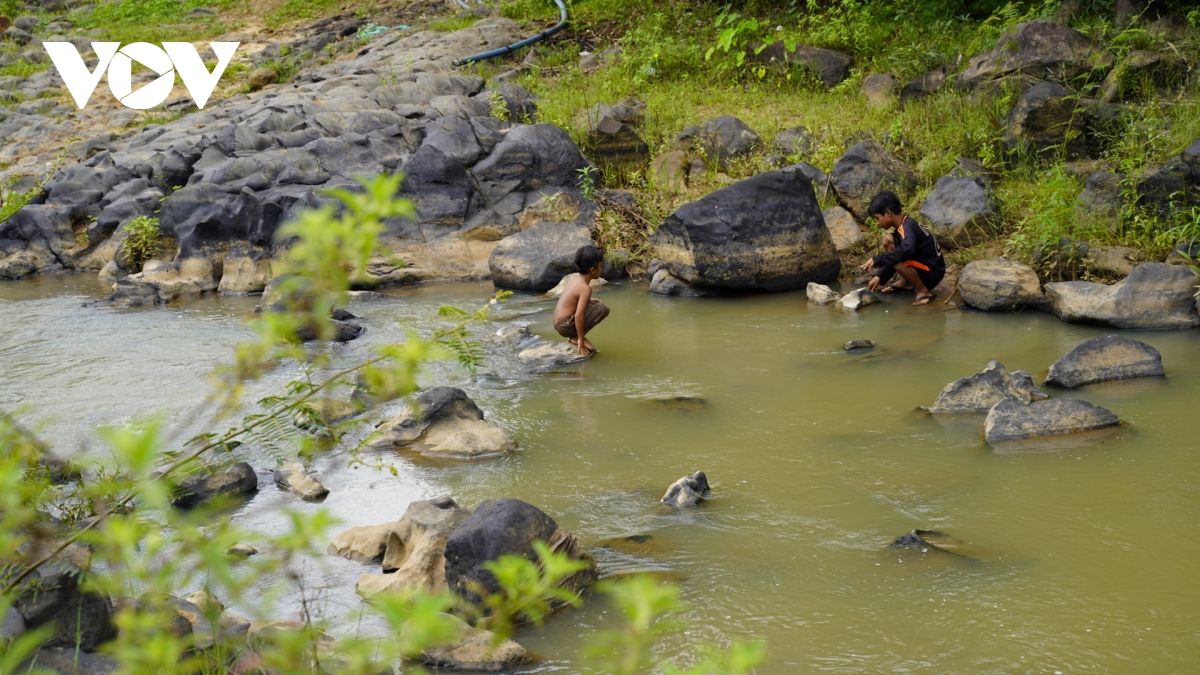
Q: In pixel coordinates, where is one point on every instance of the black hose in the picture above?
(508, 49)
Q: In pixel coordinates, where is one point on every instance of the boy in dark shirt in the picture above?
(916, 256)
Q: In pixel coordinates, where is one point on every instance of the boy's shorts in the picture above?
(931, 278)
(594, 314)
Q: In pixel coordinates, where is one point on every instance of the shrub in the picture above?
(142, 241)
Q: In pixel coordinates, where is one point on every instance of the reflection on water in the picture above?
(818, 459)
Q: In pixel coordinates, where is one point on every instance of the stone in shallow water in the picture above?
(443, 422)
(858, 346)
(1154, 295)
(687, 491)
(857, 299)
(551, 356)
(821, 294)
(981, 391)
(292, 476)
(1011, 420)
(1108, 357)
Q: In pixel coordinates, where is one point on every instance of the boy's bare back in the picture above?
(577, 289)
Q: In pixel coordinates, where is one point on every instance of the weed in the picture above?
(142, 241)
(587, 182)
(498, 106)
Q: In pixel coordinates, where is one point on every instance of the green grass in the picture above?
(15, 202)
(23, 69)
(152, 20)
(449, 24)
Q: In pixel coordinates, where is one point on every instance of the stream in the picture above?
(1082, 555)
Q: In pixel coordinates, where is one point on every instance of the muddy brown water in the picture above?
(1083, 552)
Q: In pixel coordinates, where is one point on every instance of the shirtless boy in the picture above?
(577, 311)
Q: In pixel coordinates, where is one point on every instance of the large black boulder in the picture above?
(1048, 118)
(538, 258)
(501, 527)
(1174, 184)
(54, 597)
(237, 479)
(765, 233)
(1038, 50)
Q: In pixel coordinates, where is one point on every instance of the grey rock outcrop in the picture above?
(687, 491)
(999, 284)
(1046, 118)
(866, 169)
(1013, 421)
(1154, 295)
(1037, 50)
(1173, 184)
(235, 171)
(980, 392)
(959, 210)
(538, 258)
(443, 422)
(1104, 358)
(721, 139)
(764, 233)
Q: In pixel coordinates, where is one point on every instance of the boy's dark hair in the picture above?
(884, 202)
(588, 257)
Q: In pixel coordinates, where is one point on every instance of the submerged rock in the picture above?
(412, 549)
(547, 356)
(1012, 420)
(927, 540)
(507, 526)
(764, 233)
(664, 283)
(292, 476)
(443, 422)
(821, 294)
(1154, 295)
(1108, 357)
(687, 491)
(238, 479)
(981, 391)
(858, 346)
(999, 284)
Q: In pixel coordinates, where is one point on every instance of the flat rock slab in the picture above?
(551, 355)
(1108, 357)
(1154, 295)
(1014, 421)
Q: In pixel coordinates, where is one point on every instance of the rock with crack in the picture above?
(687, 491)
(1104, 358)
(764, 233)
(980, 392)
(1154, 295)
(507, 526)
(293, 477)
(443, 423)
(412, 549)
(1012, 420)
(821, 294)
(999, 284)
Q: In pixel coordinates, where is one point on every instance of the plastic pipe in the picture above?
(508, 49)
